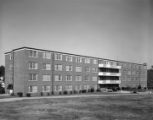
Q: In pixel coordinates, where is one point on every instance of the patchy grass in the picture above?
(135, 107)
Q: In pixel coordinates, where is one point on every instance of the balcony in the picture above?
(108, 74)
(109, 81)
(109, 66)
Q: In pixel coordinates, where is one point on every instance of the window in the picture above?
(58, 77)
(78, 69)
(33, 53)
(46, 66)
(94, 70)
(58, 67)
(45, 88)
(78, 59)
(68, 77)
(68, 87)
(69, 68)
(46, 77)
(86, 87)
(78, 78)
(69, 58)
(58, 88)
(94, 78)
(87, 69)
(33, 89)
(58, 56)
(11, 56)
(95, 61)
(33, 77)
(87, 60)
(33, 65)
(86, 78)
(47, 55)
(78, 87)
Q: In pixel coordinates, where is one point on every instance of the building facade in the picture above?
(31, 70)
(150, 78)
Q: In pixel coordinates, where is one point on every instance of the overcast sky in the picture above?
(114, 29)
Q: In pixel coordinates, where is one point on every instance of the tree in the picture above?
(2, 71)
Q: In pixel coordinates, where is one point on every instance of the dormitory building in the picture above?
(31, 70)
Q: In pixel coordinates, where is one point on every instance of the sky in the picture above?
(112, 29)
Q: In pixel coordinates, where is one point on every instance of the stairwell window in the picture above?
(46, 66)
(78, 78)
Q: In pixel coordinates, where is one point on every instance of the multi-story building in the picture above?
(150, 78)
(31, 70)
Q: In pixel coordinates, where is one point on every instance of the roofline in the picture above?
(70, 54)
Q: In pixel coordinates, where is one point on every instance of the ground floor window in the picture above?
(46, 88)
(33, 89)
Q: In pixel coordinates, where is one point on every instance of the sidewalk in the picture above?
(64, 96)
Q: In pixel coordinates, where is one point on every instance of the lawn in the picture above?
(136, 107)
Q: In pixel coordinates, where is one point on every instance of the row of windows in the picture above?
(59, 67)
(58, 56)
(57, 88)
(34, 77)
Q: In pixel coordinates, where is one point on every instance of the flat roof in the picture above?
(70, 54)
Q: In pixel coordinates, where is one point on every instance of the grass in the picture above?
(136, 107)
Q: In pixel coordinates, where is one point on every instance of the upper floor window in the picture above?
(58, 56)
(33, 65)
(78, 78)
(58, 88)
(46, 66)
(46, 88)
(33, 53)
(87, 69)
(69, 68)
(78, 59)
(46, 77)
(33, 89)
(87, 60)
(78, 69)
(47, 55)
(68, 77)
(87, 78)
(68, 87)
(58, 67)
(69, 58)
(33, 77)
(58, 77)
(95, 61)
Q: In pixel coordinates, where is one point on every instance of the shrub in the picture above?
(28, 95)
(92, 90)
(98, 90)
(65, 92)
(60, 93)
(41, 93)
(48, 94)
(71, 92)
(84, 91)
(20, 94)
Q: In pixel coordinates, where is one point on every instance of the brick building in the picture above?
(31, 70)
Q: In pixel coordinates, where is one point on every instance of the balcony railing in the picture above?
(109, 66)
(109, 81)
(108, 74)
